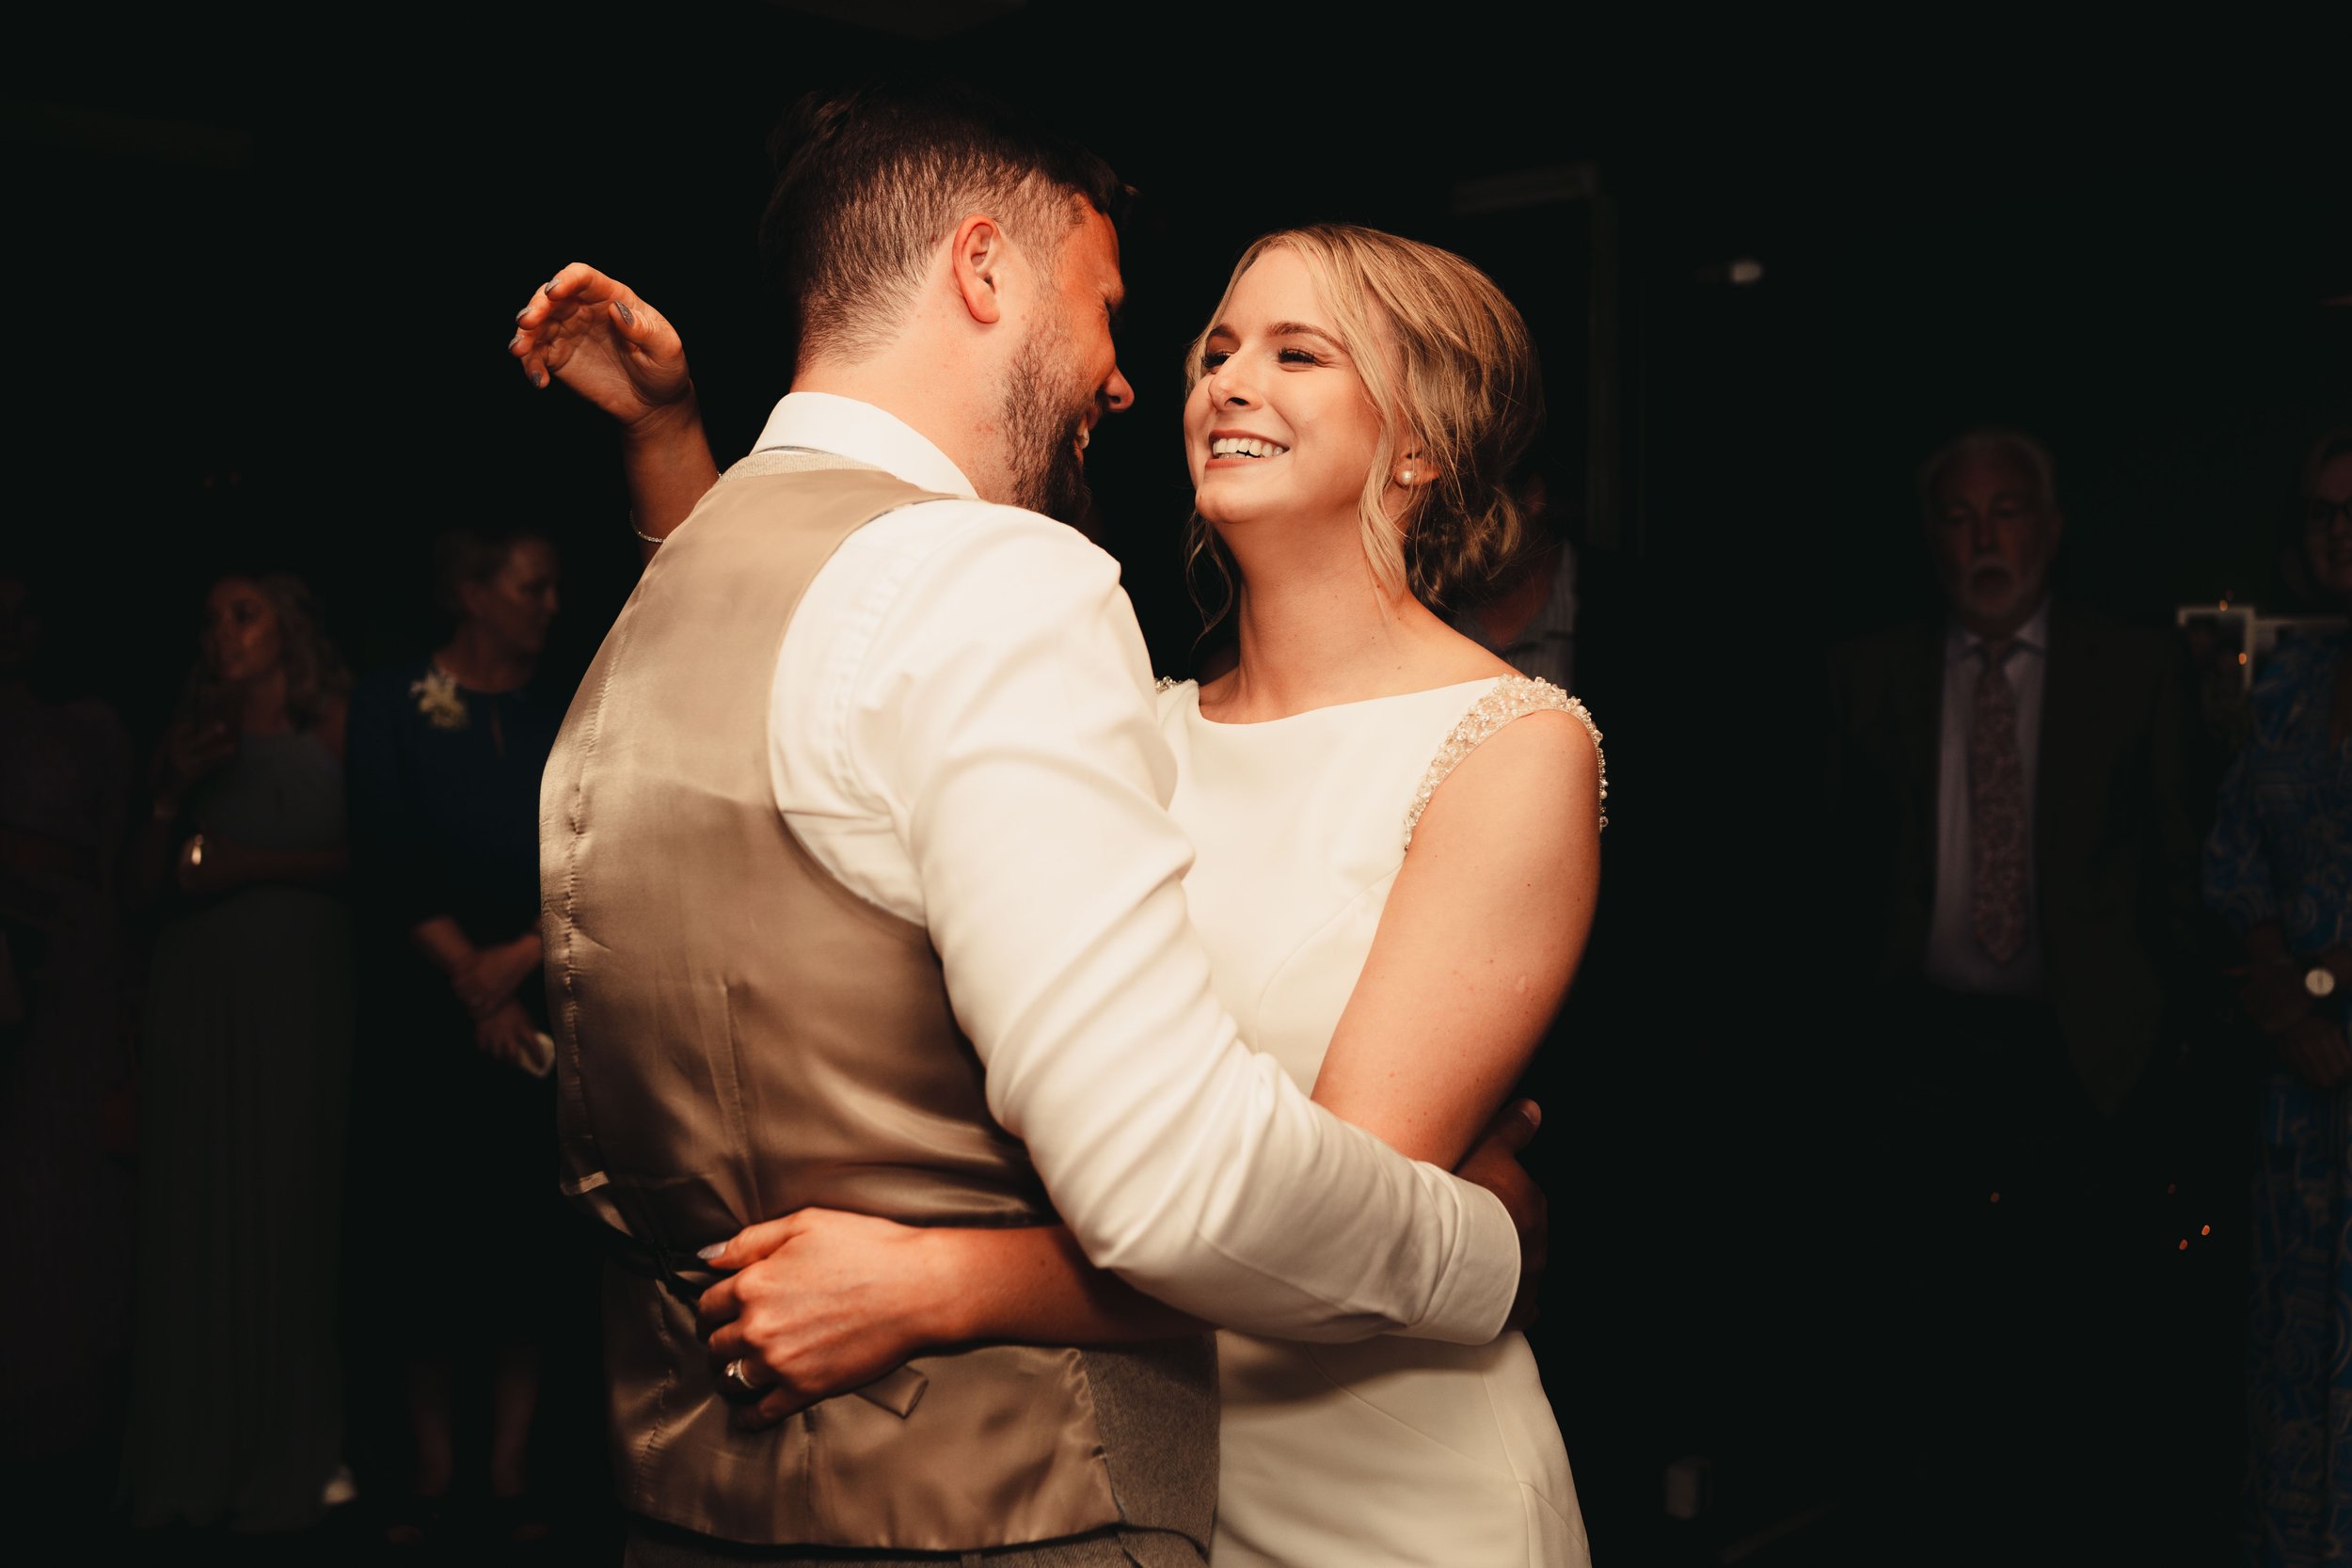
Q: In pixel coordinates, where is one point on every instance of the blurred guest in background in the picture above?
(2279, 869)
(65, 1067)
(446, 755)
(1527, 617)
(2010, 867)
(237, 1400)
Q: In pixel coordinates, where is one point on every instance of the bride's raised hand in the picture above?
(597, 337)
(821, 1302)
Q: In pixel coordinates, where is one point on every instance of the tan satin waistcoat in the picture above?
(739, 1035)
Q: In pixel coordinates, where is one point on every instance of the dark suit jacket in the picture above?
(2114, 852)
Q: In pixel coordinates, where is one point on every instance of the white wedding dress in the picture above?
(1390, 1454)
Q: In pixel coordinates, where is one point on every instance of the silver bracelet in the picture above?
(639, 531)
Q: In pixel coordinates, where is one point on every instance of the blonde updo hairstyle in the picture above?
(1449, 365)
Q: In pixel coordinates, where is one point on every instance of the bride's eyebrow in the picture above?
(1221, 332)
(1300, 329)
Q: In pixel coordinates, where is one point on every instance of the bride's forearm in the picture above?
(1033, 1286)
(826, 1301)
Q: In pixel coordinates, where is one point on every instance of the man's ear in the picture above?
(980, 258)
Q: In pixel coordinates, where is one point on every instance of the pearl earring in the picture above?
(1404, 475)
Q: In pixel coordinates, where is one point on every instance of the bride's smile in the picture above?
(1278, 426)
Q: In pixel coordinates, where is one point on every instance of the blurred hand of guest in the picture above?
(489, 981)
(2271, 981)
(190, 753)
(2316, 1053)
(599, 338)
(509, 1036)
(2272, 993)
(210, 863)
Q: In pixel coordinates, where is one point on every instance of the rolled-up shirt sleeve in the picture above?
(1006, 717)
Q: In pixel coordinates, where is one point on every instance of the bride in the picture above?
(1398, 851)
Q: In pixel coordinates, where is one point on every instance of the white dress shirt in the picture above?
(962, 731)
(1955, 960)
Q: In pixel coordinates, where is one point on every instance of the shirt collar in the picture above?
(1959, 643)
(826, 422)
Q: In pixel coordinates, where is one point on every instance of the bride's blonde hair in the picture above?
(1448, 363)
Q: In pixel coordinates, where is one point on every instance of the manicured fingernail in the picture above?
(539, 380)
(1533, 1113)
(706, 1254)
(522, 313)
(515, 339)
(626, 319)
(549, 289)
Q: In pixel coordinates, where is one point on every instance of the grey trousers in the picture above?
(655, 1545)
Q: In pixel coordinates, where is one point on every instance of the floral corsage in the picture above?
(438, 698)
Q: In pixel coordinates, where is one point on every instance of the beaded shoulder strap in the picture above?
(1510, 697)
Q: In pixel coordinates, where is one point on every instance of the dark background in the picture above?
(263, 267)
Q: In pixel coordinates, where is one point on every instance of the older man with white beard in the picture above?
(2007, 871)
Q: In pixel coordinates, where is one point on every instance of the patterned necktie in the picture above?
(1997, 809)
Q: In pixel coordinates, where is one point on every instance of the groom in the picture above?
(860, 891)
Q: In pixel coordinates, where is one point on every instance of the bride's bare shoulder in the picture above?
(1523, 753)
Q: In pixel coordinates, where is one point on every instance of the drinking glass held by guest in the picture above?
(446, 755)
(236, 1400)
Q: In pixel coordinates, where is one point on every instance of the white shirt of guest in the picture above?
(962, 732)
(1955, 959)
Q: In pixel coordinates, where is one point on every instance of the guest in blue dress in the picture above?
(2279, 869)
(445, 753)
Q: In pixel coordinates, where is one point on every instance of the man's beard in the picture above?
(1041, 419)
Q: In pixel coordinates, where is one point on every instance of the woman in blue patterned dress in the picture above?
(2279, 869)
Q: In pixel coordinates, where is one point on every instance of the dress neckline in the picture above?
(1203, 718)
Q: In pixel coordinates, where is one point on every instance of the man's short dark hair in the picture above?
(871, 179)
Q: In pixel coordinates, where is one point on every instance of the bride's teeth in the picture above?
(1244, 445)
